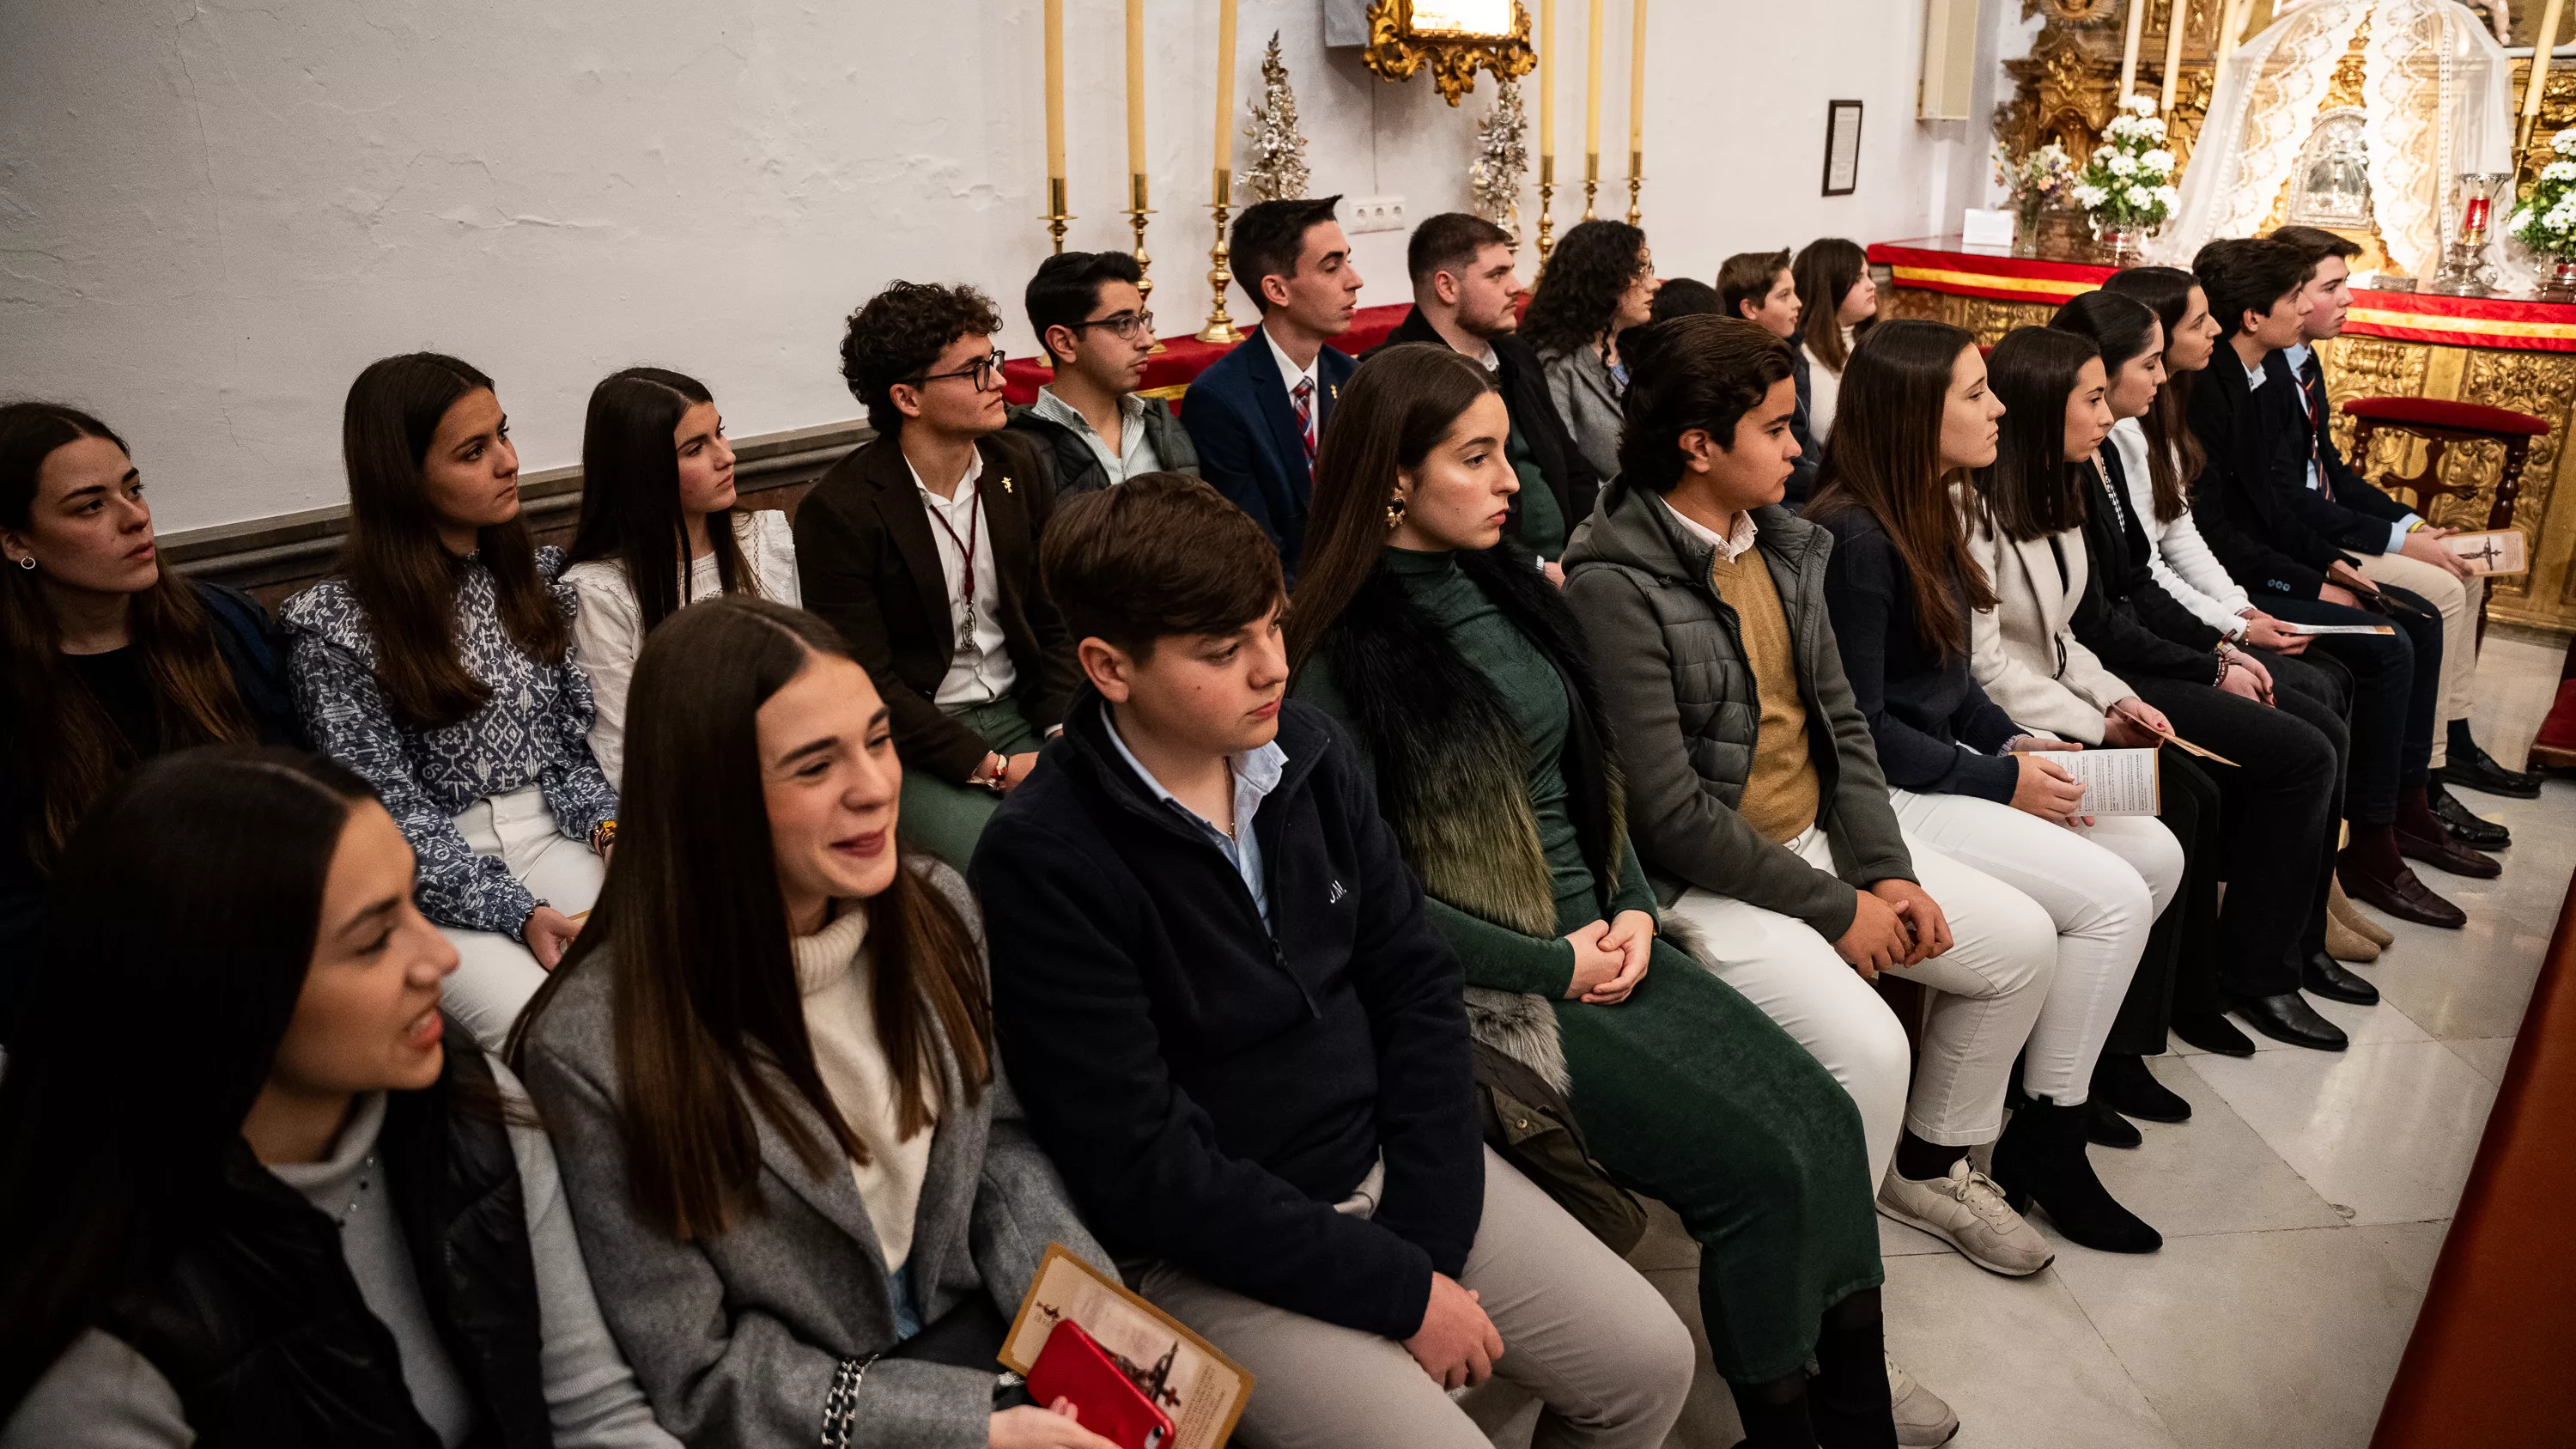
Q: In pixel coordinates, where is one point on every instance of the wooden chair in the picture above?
(2439, 424)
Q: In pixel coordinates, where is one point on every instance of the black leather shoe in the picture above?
(2121, 1080)
(2105, 1127)
(2214, 1033)
(2327, 977)
(2444, 853)
(2481, 773)
(2040, 1162)
(2288, 1017)
(2474, 831)
(2404, 896)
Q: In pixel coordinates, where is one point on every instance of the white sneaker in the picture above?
(1922, 1419)
(1967, 1211)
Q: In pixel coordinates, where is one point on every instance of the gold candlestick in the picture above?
(1136, 215)
(1591, 182)
(1220, 328)
(1546, 223)
(1636, 178)
(1056, 216)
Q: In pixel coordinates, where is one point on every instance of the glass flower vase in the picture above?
(2118, 243)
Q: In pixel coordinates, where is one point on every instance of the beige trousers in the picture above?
(2458, 599)
(1601, 1350)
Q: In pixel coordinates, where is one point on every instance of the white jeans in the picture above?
(2102, 884)
(496, 974)
(2458, 599)
(1986, 992)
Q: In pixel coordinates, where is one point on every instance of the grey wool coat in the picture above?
(737, 1338)
(1683, 703)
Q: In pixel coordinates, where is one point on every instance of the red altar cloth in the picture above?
(1937, 265)
(1185, 357)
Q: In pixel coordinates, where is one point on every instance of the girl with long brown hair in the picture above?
(1837, 300)
(659, 530)
(768, 1064)
(1904, 592)
(108, 658)
(1464, 676)
(437, 662)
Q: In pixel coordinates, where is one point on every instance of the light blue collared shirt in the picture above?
(1256, 774)
(2296, 354)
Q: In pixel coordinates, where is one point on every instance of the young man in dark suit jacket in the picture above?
(921, 548)
(1466, 297)
(2267, 539)
(1255, 416)
(2393, 543)
(1088, 311)
(1244, 1043)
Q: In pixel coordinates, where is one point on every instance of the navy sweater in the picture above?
(1937, 732)
(1210, 1091)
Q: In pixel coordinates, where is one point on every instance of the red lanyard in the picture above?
(965, 547)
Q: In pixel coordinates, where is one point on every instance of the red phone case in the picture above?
(1074, 1366)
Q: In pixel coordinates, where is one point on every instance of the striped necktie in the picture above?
(1303, 396)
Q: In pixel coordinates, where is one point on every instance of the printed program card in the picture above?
(1202, 1389)
(2498, 551)
(2116, 782)
(2322, 630)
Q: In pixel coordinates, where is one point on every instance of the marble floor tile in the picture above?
(2474, 983)
(2283, 1340)
(2386, 1131)
(2017, 1359)
(2212, 1174)
(2410, 1248)
(1896, 1240)
(2488, 1054)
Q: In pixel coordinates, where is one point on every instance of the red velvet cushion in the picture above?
(2434, 412)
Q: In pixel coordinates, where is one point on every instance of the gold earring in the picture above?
(1394, 512)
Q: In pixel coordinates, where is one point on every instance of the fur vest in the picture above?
(1453, 770)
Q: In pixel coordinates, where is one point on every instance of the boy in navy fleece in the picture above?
(1243, 1042)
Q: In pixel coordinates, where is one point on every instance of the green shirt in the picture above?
(1543, 526)
(1529, 686)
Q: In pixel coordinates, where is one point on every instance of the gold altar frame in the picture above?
(1397, 48)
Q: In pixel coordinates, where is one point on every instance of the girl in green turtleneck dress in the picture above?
(1464, 677)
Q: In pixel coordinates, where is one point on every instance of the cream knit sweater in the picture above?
(835, 976)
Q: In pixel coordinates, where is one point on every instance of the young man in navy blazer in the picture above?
(1244, 1044)
(1256, 415)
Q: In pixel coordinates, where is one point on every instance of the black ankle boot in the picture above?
(1847, 1400)
(2122, 1082)
(1773, 1425)
(2041, 1160)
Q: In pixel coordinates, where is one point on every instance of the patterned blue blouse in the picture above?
(531, 733)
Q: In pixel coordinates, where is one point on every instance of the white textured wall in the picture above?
(213, 212)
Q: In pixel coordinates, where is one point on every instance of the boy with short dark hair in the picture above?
(921, 548)
(1758, 288)
(1088, 311)
(1257, 413)
(2256, 510)
(1244, 1043)
(1466, 297)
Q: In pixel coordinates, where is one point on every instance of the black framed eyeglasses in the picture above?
(1127, 325)
(983, 370)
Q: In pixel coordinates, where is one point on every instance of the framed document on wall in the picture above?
(1842, 147)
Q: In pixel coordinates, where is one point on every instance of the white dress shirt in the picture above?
(980, 671)
(1290, 374)
(1135, 451)
(1730, 546)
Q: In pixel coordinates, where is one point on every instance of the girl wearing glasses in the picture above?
(659, 530)
(1599, 283)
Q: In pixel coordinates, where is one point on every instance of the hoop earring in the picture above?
(28, 563)
(1394, 513)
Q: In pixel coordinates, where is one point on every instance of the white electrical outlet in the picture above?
(1374, 213)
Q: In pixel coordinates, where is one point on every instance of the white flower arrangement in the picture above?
(2128, 181)
(2546, 220)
